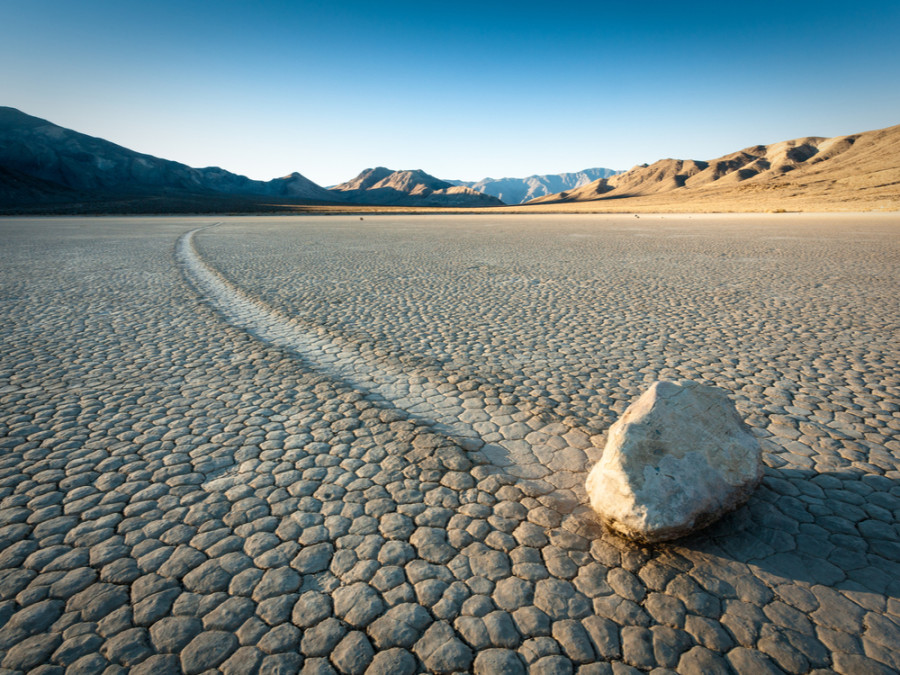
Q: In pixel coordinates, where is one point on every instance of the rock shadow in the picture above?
(836, 529)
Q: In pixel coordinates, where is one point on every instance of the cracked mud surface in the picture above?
(326, 445)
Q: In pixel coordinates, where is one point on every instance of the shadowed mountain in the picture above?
(383, 186)
(861, 169)
(519, 190)
(42, 164)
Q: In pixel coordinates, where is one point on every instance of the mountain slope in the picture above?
(383, 186)
(858, 170)
(365, 180)
(64, 164)
(519, 190)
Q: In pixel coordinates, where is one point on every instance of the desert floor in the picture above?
(334, 444)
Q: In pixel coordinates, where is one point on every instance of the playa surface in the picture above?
(321, 444)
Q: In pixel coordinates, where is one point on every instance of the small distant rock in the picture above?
(679, 458)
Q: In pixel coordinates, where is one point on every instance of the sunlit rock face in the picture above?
(679, 458)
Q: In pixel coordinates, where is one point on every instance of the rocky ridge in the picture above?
(45, 167)
(384, 186)
(42, 160)
(520, 190)
(843, 168)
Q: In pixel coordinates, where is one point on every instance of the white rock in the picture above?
(678, 459)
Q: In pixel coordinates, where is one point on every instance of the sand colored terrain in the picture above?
(845, 173)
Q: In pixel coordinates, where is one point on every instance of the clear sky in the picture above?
(460, 89)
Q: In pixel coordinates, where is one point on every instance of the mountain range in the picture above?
(381, 186)
(811, 173)
(520, 190)
(46, 168)
(44, 164)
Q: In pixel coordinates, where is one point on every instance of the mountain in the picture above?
(383, 186)
(43, 164)
(519, 190)
(47, 168)
(815, 173)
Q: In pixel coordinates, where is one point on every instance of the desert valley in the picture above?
(598, 422)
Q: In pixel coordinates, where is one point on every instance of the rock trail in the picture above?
(443, 405)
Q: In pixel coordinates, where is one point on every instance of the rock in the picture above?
(678, 459)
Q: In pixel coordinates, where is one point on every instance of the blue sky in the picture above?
(462, 90)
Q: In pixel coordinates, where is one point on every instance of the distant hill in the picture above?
(44, 164)
(859, 170)
(45, 168)
(519, 190)
(409, 188)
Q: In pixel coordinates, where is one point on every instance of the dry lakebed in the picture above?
(334, 444)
